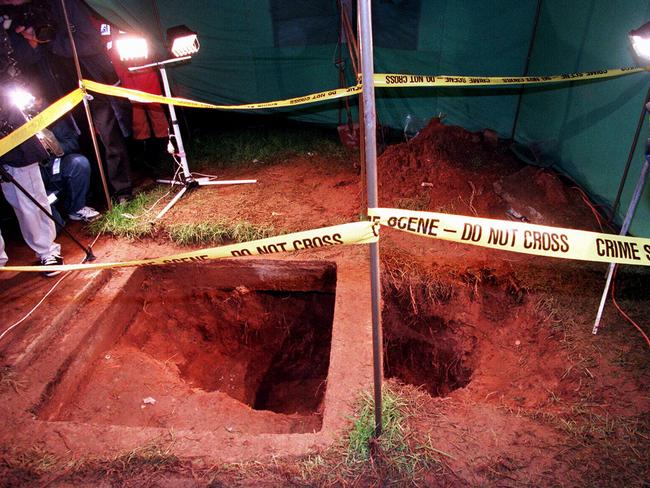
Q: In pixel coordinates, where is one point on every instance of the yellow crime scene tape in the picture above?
(52, 113)
(59, 108)
(344, 234)
(519, 237)
(140, 96)
(405, 80)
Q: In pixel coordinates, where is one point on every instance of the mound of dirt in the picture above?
(448, 169)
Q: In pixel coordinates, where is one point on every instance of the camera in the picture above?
(8, 66)
(36, 14)
(9, 73)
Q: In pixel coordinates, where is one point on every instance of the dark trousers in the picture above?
(116, 155)
(69, 178)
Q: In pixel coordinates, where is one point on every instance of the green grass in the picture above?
(400, 456)
(132, 220)
(261, 146)
(219, 232)
(364, 426)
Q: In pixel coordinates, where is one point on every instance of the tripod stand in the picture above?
(634, 202)
(8, 177)
(187, 179)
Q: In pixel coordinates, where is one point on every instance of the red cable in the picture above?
(585, 199)
(620, 310)
(626, 316)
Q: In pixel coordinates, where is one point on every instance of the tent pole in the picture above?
(91, 125)
(370, 125)
(526, 68)
(636, 196)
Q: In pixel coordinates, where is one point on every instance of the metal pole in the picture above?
(526, 68)
(177, 131)
(630, 157)
(362, 130)
(370, 126)
(636, 196)
(91, 125)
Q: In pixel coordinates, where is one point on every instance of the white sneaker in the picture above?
(87, 214)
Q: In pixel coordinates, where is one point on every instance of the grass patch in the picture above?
(262, 146)
(134, 220)
(364, 426)
(417, 203)
(219, 232)
(155, 455)
(401, 456)
(10, 380)
(38, 467)
(407, 279)
(131, 220)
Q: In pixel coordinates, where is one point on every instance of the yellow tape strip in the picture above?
(404, 80)
(540, 240)
(52, 113)
(64, 105)
(352, 233)
(140, 96)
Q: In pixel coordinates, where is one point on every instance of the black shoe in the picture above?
(53, 260)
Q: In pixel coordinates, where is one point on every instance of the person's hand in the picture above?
(29, 34)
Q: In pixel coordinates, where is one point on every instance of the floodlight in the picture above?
(183, 41)
(640, 39)
(130, 47)
(22, 99)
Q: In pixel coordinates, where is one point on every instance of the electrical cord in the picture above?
(171, 187)
(593, 209)
(47, 294)
(212, 177)
(622, 312)
(599, 218)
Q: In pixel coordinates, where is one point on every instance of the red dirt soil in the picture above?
(520, 392)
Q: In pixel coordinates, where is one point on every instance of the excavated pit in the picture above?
(425, 344)
(241, 346)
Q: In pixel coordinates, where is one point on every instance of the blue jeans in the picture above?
(70, 180)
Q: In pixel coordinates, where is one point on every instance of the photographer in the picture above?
(22, 163)
(43, 51)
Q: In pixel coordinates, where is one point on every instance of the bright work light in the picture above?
(22, 99)
(640, 39)
(183, 41)
(132, 48)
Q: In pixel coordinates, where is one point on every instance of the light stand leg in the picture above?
(171, 203)
(177, 131)
(636, 196)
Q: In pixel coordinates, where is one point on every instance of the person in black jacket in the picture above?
(49, 67)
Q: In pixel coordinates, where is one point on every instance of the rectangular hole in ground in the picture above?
(244, 347)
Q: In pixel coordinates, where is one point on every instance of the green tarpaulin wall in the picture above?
(260, 50)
